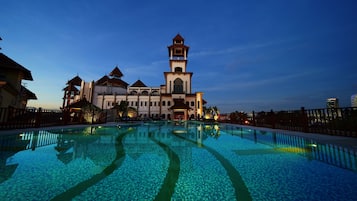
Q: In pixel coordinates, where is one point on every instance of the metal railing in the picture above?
(13, 118)
(332, 121)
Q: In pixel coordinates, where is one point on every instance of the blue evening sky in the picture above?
(244, 55)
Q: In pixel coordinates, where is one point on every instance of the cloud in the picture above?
(238, 48)
(227, 85)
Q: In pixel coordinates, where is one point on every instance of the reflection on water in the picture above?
(328, 153)
(179, 143)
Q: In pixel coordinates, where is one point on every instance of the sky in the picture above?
(244, 55)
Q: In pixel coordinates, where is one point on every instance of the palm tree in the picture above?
(123, 109)
(211, 112)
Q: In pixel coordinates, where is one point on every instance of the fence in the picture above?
(12, 118)
(332, 121)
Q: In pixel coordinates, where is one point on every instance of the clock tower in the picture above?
(178, 80)
(178, 88)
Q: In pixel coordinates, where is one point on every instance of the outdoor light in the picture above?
(313, 145)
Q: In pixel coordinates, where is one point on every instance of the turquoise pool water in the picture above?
(173, 161)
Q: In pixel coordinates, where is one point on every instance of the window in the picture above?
(178, 86)
(145, 93)
(163, 103)
(178, 69)
(192, 103)
(178, 51)
(168, 103)
(155, 93)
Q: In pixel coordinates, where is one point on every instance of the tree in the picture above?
(238, 117)
(122, 108)
(211, 112)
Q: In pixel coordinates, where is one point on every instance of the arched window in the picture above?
(155, 93)
(133, 92)
(145, 93)
(178, 86)
(178, 69)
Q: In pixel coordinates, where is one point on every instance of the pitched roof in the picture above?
(116, 72)
(28, 94)
(138, 83)
(77, 81)
(105, 80)
(6, 62)
(70, 87)
(178, 37)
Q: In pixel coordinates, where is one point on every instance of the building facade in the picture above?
(172, 100)
(12, 92)
(354, 100)
(332, 103)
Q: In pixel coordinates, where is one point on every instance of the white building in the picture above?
(172, 100)
(332, 103)
(354, 100)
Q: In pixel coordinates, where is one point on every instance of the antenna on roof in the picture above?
(0, 39)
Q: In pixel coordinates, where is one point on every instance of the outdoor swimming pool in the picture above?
(173, 161)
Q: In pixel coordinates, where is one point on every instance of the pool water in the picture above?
(173, 161)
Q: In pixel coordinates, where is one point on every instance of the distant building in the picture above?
(332, 103)
(12, 92)
(354, 100)
(172, 100)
